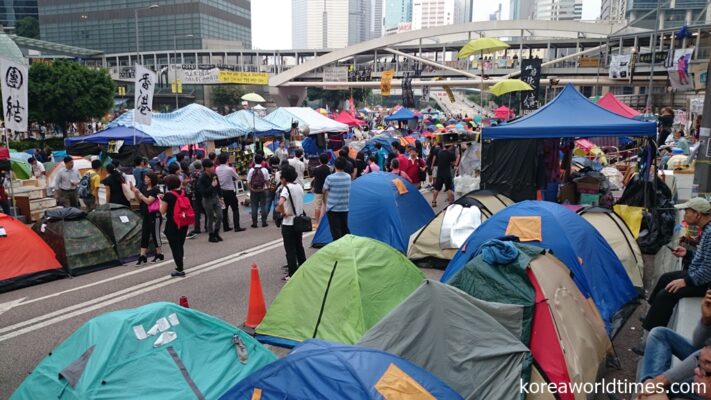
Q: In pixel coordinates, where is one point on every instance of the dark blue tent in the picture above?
(117, 133)
(377, 210)
(320, 370)
(570, 115)
(596, 270)
(402, 114)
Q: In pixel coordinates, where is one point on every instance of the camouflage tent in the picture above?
(121, 225)
(79, 245)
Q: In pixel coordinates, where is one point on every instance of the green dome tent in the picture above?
(80, 246)
(339, 293)
(191, 355)
(120, 224)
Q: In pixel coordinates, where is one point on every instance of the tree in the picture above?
(28, 27)
(227, 95)
(64, 91)
(334, 98)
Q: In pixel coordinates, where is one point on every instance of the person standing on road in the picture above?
(152, 219)
(416, 169)
(319, 174)
(336, 193)
(281, 153)
(209, 188)
(382, 156)
(140, 170)
(91, 200)
(66, 184)
(257, 180)
(114, 186)
(176, 235)
(196, 198)
(372, 165)
(395, 169)
(38, 170)
(444, 161)
(227, 177)
(298, 166)
(291, 204)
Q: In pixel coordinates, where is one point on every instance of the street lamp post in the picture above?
(175, 63)
(135, 14)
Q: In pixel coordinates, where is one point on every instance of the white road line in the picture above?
(16, 303)
(104, 301)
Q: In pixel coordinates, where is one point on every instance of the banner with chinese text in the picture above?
(14, 95)
(145, 86)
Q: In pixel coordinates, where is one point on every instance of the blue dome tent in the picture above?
(596, 270)
(321, 370)
(377, 210)
(402, 114)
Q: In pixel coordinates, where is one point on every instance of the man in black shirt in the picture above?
(444, 160)
(319, 173)
(350, 168)
(209, 188)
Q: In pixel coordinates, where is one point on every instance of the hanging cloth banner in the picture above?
(678, 70)
(408, 97)
(14, 95)
(531, 74)
(143, 100)
(619, 66)
(386, 82)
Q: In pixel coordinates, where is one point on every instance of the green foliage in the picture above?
(27, 144)
(334, 98)
(64, 91)
(227, 95)
(28, 27)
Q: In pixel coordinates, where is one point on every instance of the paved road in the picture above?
(217, 283)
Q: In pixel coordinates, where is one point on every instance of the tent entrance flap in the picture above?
(325, 296)
(458, 223)
(73, 371)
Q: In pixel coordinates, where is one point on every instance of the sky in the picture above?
(272, 30)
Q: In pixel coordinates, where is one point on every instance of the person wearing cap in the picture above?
(691, 282)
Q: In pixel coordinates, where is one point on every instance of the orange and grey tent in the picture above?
(26, 258)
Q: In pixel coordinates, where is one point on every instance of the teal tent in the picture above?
(158, 351)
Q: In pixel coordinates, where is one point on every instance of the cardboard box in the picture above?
(587, 184)
(566, 193)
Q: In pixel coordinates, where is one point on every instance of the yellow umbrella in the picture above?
(253, 97)
(508, 86)
(481, 46)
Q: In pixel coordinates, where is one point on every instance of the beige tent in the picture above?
(620, 238)
(433, 246)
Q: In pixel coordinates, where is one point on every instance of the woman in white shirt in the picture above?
(291, 203)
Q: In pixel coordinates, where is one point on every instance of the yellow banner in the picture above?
(385, 82)
(449, 93)
(243, 78)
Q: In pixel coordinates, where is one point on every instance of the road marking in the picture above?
(52, 318)
(20, 302)
(10, 304)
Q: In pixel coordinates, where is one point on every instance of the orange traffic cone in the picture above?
(184, 302)
(257, 308)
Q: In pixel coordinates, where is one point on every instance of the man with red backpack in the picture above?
(257, 182)
(179, 216)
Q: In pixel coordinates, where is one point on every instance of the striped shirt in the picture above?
(699, 272)
(338, 186)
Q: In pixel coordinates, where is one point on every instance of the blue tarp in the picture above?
(596, 270)
(402, 114)
(116, 133)
(188, 125)
(378, 211)
(321, 370)
(252, 123)
(570, 115)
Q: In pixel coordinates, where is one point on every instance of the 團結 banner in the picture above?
(14, 95)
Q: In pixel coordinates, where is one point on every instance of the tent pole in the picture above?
(12, 186)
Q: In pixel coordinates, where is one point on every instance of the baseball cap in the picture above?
(697, 204)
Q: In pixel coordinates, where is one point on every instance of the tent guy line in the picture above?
(104, 301)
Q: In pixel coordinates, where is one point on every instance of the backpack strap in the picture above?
(291, 199)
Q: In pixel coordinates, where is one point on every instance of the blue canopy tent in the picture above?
(130, 136)
(188, 125)
(379, 211)
(595, 268)
(321, 370)
(402, 114)
(570, 114)
(256, 125)
(305, 117)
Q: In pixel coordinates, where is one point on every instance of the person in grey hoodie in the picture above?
(663, 344)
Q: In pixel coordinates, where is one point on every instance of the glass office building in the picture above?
(643, 14)
(109, 25)
(12, 11)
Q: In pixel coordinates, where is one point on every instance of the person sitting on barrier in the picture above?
(663, 344)
(699, 388)
(692, 282)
